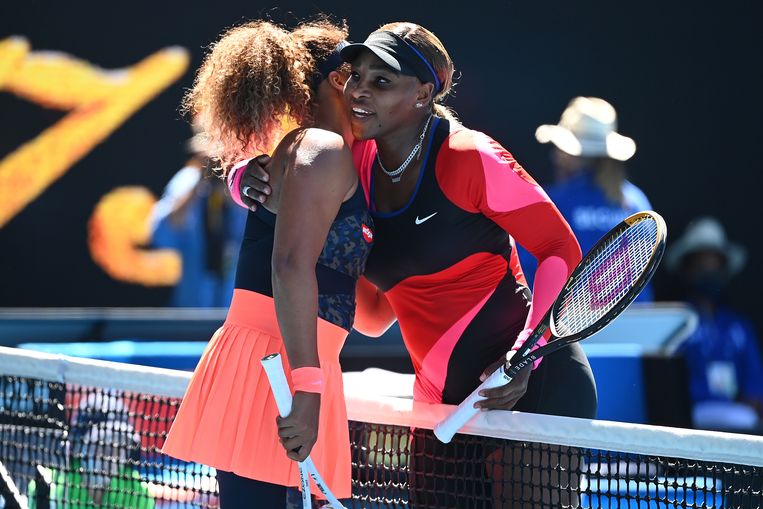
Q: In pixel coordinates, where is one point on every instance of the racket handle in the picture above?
(333, 502)
(445, 429)
(526, 358)
(280, 386)
(274, 370)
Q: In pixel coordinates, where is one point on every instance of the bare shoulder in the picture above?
(311, 161)
(319, 150)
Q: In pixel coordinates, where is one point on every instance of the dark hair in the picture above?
(434, 51)
(321, 37)
(254, 86)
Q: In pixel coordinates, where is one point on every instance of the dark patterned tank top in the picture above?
(339, 266)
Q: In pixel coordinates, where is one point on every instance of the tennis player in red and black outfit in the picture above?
(444, 262)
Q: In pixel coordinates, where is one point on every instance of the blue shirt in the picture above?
(723, 359)
(198, 285)
(590, 215)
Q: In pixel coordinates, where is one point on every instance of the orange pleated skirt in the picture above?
(227, 418)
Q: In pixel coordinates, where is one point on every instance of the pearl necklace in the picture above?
(397, 174)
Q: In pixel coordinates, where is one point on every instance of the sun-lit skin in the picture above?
(383, 104)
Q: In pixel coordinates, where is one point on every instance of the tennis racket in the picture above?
(602, 285)
(282, 394)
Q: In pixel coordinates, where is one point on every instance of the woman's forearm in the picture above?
(295, 290)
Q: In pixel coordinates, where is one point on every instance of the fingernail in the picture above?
(253, 208)
(482, 393)
(482, 378)
(261, 199)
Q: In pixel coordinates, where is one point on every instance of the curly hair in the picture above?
(254, 85)
(321, 37)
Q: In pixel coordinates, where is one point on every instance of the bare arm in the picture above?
(373, 313)
(313, 189)
(318, 179)
(249, 182)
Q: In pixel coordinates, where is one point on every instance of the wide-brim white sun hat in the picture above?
(588, 128)
(706, 234)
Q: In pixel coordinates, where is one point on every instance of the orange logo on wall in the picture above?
(99, 102)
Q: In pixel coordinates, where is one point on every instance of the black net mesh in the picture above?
(398, 468)
(71, 446)
(95, 447)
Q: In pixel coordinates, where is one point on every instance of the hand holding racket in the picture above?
(602, 285)
(307, 470)
(298, 431)
(504, 397)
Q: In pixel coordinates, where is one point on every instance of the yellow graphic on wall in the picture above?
(99, 102)
(119, 223)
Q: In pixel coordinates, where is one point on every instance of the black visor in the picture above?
(397, 53)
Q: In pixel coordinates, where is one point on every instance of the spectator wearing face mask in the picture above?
(723, 354)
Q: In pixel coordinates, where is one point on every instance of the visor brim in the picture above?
(351, 52)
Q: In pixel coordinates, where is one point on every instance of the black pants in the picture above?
(562, 385)
(238, 492)
(456, 475)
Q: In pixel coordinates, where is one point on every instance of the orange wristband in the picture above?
(307, 380)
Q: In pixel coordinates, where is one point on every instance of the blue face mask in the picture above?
(709, 284)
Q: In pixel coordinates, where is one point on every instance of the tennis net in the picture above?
(82, 433)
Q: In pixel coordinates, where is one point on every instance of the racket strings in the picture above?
(611, 272)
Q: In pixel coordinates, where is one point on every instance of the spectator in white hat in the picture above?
(722, 355)
(590, 187)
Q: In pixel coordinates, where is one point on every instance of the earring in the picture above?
(419, 105)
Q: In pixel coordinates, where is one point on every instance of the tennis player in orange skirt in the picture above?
(299, 262)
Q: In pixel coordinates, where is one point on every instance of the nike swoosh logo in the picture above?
(419, 221)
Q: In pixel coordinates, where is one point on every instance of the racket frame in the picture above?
(527, 355)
